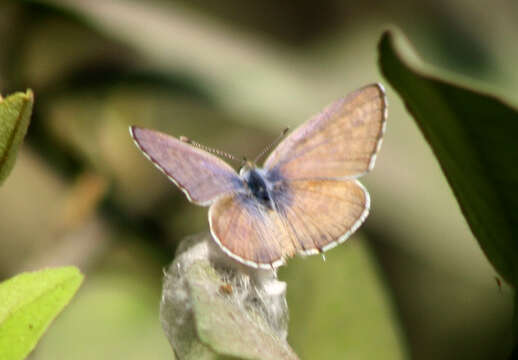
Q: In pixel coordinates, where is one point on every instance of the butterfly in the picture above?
(305, 199)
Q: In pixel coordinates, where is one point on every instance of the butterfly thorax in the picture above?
(258, 185)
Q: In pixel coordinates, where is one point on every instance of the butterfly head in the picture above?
(246, 166)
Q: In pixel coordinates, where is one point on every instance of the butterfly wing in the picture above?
(322, 213)
(249, 232)
(203, 177)
(342, 141)
(310, 216)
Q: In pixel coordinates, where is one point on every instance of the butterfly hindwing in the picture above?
(323, 213)
(342, 141)
(308, 217)
(203, 177)
(250, 232)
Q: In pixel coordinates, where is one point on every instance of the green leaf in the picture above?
(473, 134)
(15, 115)
(28, 304)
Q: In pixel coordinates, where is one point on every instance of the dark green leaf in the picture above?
(474, 136)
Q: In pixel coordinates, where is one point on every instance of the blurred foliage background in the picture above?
(232, 75)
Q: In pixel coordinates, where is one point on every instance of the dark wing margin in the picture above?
(340, 142)
(203, 177)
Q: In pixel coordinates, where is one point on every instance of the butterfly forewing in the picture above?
(203, 177)
(341, 141)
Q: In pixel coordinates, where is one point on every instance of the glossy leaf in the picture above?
(473, 135)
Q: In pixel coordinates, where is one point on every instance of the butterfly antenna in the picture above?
(209, 149)
(271, 145)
